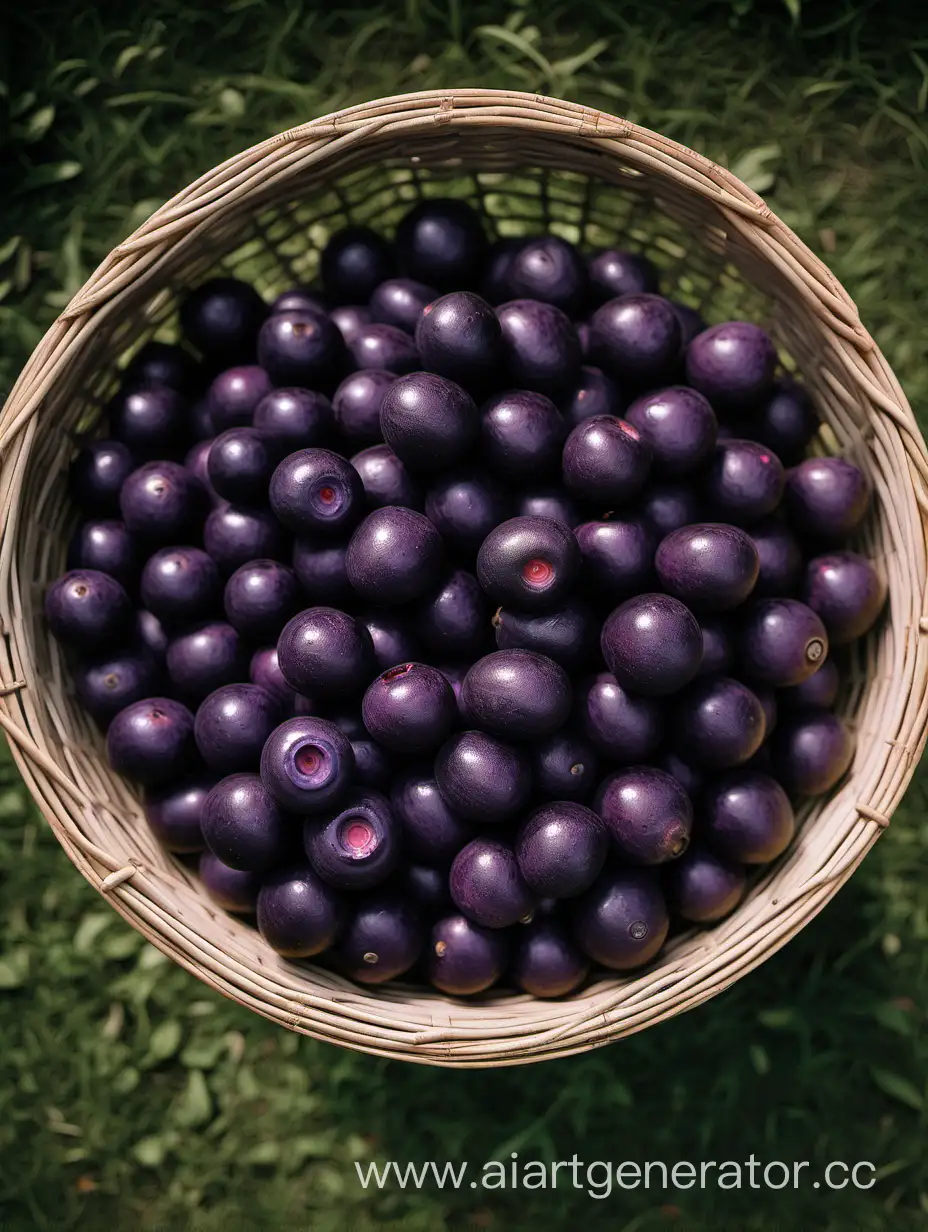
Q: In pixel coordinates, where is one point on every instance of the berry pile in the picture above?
(475, 615)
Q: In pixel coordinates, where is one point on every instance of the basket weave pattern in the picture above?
(526, 163)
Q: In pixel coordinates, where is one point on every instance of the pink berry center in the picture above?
(309, 759)
(357, 835)
(629, 429)
(537, 572)
(327, 495)
(395, 672)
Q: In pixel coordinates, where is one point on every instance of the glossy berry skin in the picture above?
(565, 766)
(325, 653)
(719, 723)
(622, 726)
(517, 694)
(847, 592)
(606, 460)
(614, 273)
(618, 556)
(690, 778)
(551, 270)
(302, 348)
(668, 505)
(299, 299)
(358, 846)
(88, 610)
(356, 406)
(487, 884)
(385, 479)
(174, 812)
(561, 848)
(454, 620)
(781, 643)
(106, 547)
(481, 778)
(292, 418)
(746, 817)
(442, 242)
(679, 425)
(240, 465)
(744, 482)
(594, 394)
(162, 363)
(234, 395)
(151, 635)
(432, 832)
(307, 764)
(264, 670)
(826, 498)
(636, 339)
(646, 813)
(353, 262)
(553, 503)
(718, 650)
(233, 535)
(399, 302)
(232, 724)
(315, 491)
(546, 962)
(96, 476)
(151, 741)
(691, 323)
(221, 318)
(321, 570)
(392, 639)
(565, 634)
(521, 436)
(232, 889)
(530, 563)
(409, 708)
(787, 421)
(429, 422)
(462, 958)
(732, 364)
(711, 567)
(621, 922)
(243, 826)
(702, 887)
(464, 507)
(150, 421)
(780, 558)
(203, 658)
(380, 940)
(459, 337)
(394, 556)
(373, 765)
(260, 598)
(196, 461)
(496, 286)
(350, 319)
(652, 644)
(812, 749)
(384, 348)
(541, 347)
(108, 684)
(819, 689)
(298, 914)
(161, 502)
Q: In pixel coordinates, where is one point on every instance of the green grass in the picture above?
(130, 1097)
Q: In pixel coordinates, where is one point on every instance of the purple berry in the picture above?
(668, 505)
(621, 922)
(565, 767)
(482, 778)
(162, 363)
(459, 337)
(394, 556)
(151, 422)
(635, 339)
(357, 846)
(356, 404)
(302, 348)
(652, 644)
(819, 689)
(679, 425)
(442, 242)
(732, 365)
(606, 460)
(385, 479)
(152, 636)
(232, 889)
(464, 507)
(151, 741)
(551, 503)
(205, 658)
(517, 693)
(409, 708)
(239, 466)
(744, 482)
(200, 421)
(711, 567)
(196, 461)
(327, 653)
(432, 831)
(181, 586)
(561, 848)
(646, 813)
(392, 640)
(718, 651)
(545, 962)
(174, 812)
(496, 286)
(306, 764)
(463, 958)
(847, 592)
(162, 502)
(564, 635)
(690, 779)
(399, 302)
(429, 422)
(691, 323)
(321, 570)
(264, 670)
(719, 722)
(594, 394)
(234, 395)
(222, 317)
(702, 887)
(386, 349)
(96, 476)
(315, 491)
(780, 558)
(540, 345)
(233, 535)
(232, 724)
(260, 598)
(381, 940)
(787, 421)
(353, 262)
(530, 563)
(614, 273)
(88, 610)
(298, 915)
(350, 319)
(243, 826)
(623, 727)
(746, 817)
(487, 884)
(522, 434)
(551, 270)
(811, 750)
(782, 642)
(299, 299)
(109, 684)
(454, 621)
(618, 556)
(292, 418)
(106, 547)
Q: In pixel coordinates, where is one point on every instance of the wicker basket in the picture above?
(525, 162)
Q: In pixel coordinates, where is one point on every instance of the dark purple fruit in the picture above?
(321, 570)
(746, 817)
(826, 498)
(667, 505)
(522, 435)
(106, 547)
(232, 889)
(151, 741)
(181, 586)
(260, 598)
(481, 778)
(787, 421)
(819, 689)
(652, 644)
(718, 651)
(88, 610)
(306, 764)
(719, 723)
(358, 846)
(430, 422)
(96, 476)
(565, 635)
(646, 813)
(174, 812)
(546, 962)
(234, 395)
(561, 848)
(552, 503)
(551, 270)
(464, 507)
(688, 776)
(221, 318)
(372, 763)
(744, 482)
(594, 394)
(196, 461)
(409, 708)
(636, 339)
(530, 563)
(614, 273)
(299, 299)
(350, 319)
(811, 750)
(618, 556)
(487, 884)
(782, 642)
(298, 915)
(702, 887)
(517, 693)
(768, 699)
(232, 724)
(679, 425)
(432, 831)
(565, 767)
(356, 404)
(780, 558)
(541, 347)
(462, 958)
(459, 337)
(205, 658)
(732, 365)
(162, 363)
(152, 636)
(326, 653)
(108, 684)
(623, 726)
(385, 479)
(240, 465)
(711, 567)
(161, 502)
(234, 535)
(151, 422)
(691, 322)
(394, 556)
(293, 418)
(384, 348)
(847, 592)
(454, 621)
(315, 491)
(442, 242)
(264, 670)
(606, 461)
(304, 349)
(200, 421)
(381, 940)
(496, 286)
(353, 262)
(399, 302)
(392, 639)
(243, 826)
(621, 922)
